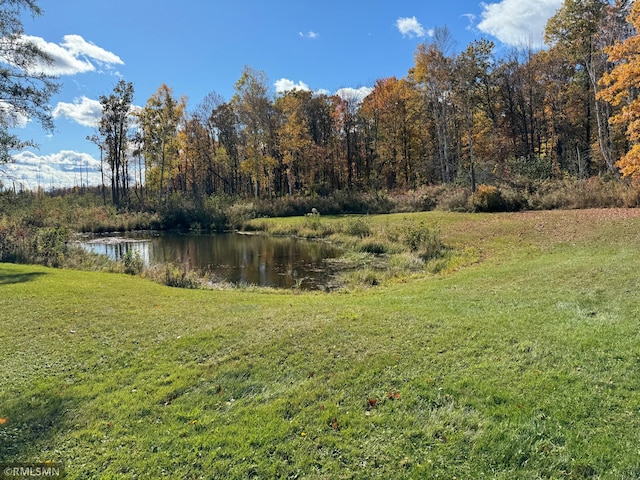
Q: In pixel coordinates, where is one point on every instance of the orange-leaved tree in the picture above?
(621, 87)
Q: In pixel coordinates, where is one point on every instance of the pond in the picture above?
(280, 262)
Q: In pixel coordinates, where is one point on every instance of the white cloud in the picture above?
(354, 94)
(88, 112)
(74, 55)
(518, 22)
(85, 111)
(285, 85)
(410, 27)
(311, 35)
(79, 47)
(63, 169)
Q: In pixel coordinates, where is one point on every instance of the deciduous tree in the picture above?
(159, 121)
(574, 31)
(433, 76)
(472, 69)
(621, 87)
(114, 129)
(295, 144)
(220, 172)
(257, 129)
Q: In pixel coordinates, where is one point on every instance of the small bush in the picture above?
(132, 262)
(15, 242)
(178, 276)
(514, 200)
(50, 246)
(487, 198)
(239, 213)
(596, 192)
(313, 227)
(422, 240)
(357, 227)
(181, 212)
(455, 200)
(313, 223)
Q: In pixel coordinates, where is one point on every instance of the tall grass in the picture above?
(87, 213)
(374, 252)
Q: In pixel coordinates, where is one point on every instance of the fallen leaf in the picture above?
(334, 424)
(4, 420)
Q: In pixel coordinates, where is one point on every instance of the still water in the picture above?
(280, 262)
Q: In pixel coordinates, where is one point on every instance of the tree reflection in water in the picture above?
(280, 262)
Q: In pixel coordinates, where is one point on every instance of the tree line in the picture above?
(467, 117)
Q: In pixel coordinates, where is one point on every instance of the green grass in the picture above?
(522, 365)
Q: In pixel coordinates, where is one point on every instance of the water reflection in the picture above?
(242, 259)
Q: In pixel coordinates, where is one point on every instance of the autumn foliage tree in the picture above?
(294, 139)
(434, 78)
(257, 127)
(159, 122)
(393, 110)
(621, 87)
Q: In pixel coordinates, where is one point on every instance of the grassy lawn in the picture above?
(521, 364)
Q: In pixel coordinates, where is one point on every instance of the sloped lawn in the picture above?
(522, 364)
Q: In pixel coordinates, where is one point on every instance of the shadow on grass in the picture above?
(12, 278)
(29, 424)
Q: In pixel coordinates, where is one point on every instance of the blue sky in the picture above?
(202, 47)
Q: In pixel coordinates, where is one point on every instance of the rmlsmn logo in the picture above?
(9, 471)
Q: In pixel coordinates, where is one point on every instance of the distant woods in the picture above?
(465, 117)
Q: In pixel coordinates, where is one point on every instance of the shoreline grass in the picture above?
(522, 365)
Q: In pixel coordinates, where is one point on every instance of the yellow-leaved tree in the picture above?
(621, 88)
